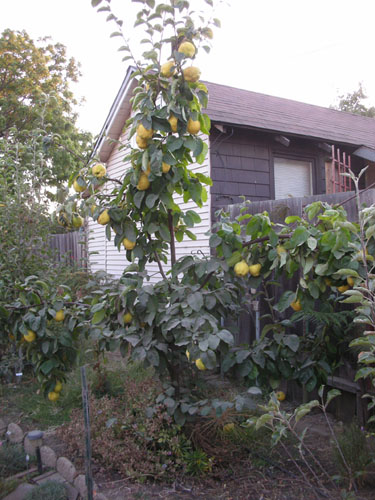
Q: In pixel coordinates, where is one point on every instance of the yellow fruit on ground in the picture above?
(296, 305)
(143, 182)
(193, 126)
(143, 132)
(187, 48)
(99, 170)
(254, 270)
(78, 188)
(350, 281)
(241, 268)
(168, 69)
(127, 318)
(228, 427)
(60, 315)
(58, 387)
(199, 364)
(77, 221)
(280, 395)
(165, 168)
(192, 74)
(343, 288)
(173, 123)
(129, 245)
(53, 396)
(30, 337)
(104, 218)
(141, 143)
(187, 354)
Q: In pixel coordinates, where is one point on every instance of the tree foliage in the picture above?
(35, 93)
(352, 102)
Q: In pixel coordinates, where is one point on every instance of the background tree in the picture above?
(352, 102)
(35, 94)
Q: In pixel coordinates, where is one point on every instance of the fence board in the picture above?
(69, 247)
(278, 211)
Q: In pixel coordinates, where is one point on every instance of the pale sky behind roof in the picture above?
(305, 50)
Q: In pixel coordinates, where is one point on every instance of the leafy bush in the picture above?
(12, 459)
(50, 490)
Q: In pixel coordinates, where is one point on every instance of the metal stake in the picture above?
(86, 413)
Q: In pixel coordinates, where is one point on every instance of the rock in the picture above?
(14, 433)
(66, 469)
(80, 484)
(20, 492)
(48, 456)
(100, 496)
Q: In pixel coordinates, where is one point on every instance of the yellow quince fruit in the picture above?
(193, 126)
(30, 337)
(104, 218)
(53, 396)
(129, 245)
(192, 74)
(343, 288)
(127, 318)
(187, 48)
(58, 387)
(199, 364)
(78, 188)
(99, 170)
(173, 123)
(280, 395)
(296, 305)
(143, 182)
(254, 270)
(165, 168)
(60, 316)
(141, 143)
(241, 268)
(168, 69)
(143, 132)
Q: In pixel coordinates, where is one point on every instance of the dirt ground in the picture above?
(252, 476)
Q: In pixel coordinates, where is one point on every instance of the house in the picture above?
(260, 147)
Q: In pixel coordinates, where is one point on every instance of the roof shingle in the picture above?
(260, 111)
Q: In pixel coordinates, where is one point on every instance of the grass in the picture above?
(27, 400)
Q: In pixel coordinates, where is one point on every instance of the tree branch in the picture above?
(171, 231)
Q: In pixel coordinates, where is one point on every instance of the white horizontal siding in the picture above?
(113, 261)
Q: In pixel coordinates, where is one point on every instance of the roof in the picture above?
(260, 111)
(237, 107)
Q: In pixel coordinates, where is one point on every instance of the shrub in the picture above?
(12, 459)
(50, 490)
(355, 451)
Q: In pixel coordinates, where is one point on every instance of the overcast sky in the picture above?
(309, 51)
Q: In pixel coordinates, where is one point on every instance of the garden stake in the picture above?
(85, 401)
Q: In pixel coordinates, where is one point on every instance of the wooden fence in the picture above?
(69, 247)
(278, 211)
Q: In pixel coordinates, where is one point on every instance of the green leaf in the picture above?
(151, 199)
(285, 300)
(299, 236)
(98, 317)
(226, 336)
(195, 301)
(215, 240)
(292, 341)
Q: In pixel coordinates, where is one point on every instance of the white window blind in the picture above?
(292, 178)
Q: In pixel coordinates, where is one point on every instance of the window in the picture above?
(292, 178)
